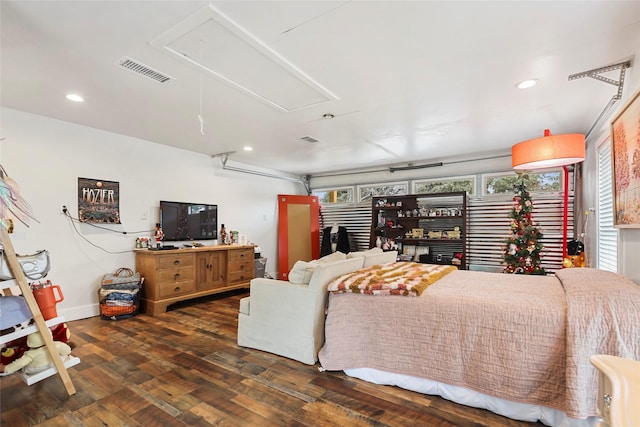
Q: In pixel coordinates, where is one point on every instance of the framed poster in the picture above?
(98, 201)
(625, 138)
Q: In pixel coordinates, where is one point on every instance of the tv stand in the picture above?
(174, 275)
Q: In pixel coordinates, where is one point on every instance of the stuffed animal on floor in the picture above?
(574, 261)
(61, 333)
(13, 350)
(576, 256)
(37, 358)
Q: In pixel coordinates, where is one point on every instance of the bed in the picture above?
(518, 345)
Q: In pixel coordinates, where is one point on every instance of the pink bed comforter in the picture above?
(517, 337)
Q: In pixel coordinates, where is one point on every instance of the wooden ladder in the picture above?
(16, 269)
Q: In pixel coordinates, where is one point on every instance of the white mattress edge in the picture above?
(515, 410)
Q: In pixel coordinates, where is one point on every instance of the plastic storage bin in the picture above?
(260, 267)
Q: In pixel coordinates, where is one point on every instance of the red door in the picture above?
(298, 231)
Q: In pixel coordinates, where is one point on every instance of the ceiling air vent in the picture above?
(310, 139)
(143, 70)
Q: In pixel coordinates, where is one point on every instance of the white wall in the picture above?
(46, 157)
(628, 238)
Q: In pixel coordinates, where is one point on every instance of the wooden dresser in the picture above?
(180, 274)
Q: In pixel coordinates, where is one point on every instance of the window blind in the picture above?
(488, 227)
(355, 217)
(607, 233)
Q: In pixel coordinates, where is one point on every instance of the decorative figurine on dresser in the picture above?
(158, 235)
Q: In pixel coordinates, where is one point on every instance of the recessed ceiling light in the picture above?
(247, 148)
(75, 97)
(526, 84)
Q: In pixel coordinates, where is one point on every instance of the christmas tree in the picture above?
(522, 247)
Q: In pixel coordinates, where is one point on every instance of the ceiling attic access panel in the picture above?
(212, 42)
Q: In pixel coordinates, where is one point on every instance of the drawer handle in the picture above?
(177, 276)
(176, 289)
(176, 262)
(242, 267)
(241, 255)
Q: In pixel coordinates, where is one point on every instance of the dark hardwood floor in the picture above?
(184, 368)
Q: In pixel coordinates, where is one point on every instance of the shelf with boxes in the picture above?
(427, 228)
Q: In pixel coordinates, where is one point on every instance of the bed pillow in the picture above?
(301, 272)
(336, 256)
(360, 254)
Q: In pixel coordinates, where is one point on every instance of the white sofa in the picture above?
(287, 318)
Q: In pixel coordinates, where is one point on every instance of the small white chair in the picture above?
(618, 390)
(286, 318)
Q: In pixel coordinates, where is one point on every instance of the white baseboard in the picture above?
(82, 312)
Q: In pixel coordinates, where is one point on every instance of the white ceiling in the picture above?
(407, 82)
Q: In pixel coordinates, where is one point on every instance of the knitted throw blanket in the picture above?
(396, 278)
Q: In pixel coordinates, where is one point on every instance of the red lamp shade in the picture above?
(548, 151)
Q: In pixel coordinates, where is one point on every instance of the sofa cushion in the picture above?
(325, 272)
(336, 256)
(371, 251)
(301, 272)
(380, 258)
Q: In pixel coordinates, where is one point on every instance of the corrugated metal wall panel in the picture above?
(488, 226)
(356, 217)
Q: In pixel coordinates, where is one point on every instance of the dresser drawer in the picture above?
(167, 290)
(241, 255)
(175, 260)
(175, 275)
(241, 266)
(240, 276)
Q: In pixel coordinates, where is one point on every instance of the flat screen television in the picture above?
(188, 221)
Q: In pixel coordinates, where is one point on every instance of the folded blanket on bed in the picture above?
(524, 338)
(396, 278)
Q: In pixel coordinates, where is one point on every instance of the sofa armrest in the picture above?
(282, 299)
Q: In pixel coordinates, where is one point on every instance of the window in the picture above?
(367, 192)
(607, 234)
(549, 181)
(428, 186)
(332, 196)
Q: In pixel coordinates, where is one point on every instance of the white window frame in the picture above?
(513, 173)
(325, 190)
(383, 184)
(417, 182)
